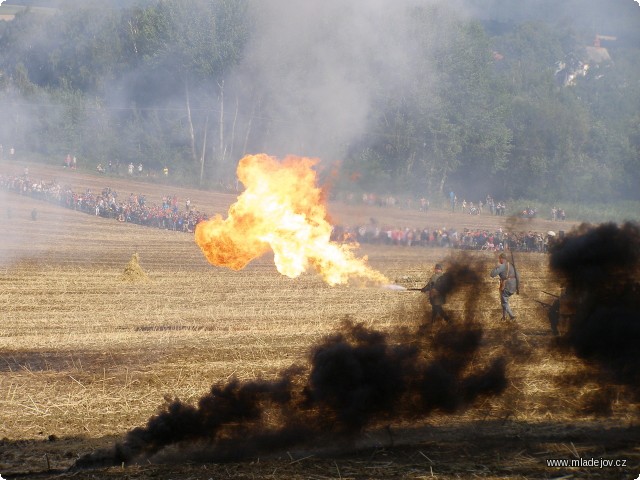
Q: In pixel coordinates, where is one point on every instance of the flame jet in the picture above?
(281, 210)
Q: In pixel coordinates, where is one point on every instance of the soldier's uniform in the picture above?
(509, 280)
(436, 297)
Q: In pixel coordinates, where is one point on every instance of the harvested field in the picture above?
(87, 354)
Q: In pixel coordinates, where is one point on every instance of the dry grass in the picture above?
(86, 356)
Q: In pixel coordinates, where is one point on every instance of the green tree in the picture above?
(202, 40)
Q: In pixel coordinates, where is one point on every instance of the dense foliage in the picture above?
(483, 106)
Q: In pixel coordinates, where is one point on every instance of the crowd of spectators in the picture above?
(134, 208)
(465, 239)
(486, 206)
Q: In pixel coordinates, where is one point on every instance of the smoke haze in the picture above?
(365, 82)
(601, 269)
(348, 50)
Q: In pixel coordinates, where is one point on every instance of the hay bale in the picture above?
(133, 272)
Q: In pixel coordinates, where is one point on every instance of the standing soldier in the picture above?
(509, 284)
(436, 297)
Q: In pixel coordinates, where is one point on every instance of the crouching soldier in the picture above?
(436, 296)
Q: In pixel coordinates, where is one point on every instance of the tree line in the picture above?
(484, 107)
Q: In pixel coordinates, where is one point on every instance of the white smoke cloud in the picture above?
(319, 64)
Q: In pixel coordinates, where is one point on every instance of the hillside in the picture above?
(338, 212)
(415, 99)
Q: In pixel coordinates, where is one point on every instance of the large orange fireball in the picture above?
(281, 210)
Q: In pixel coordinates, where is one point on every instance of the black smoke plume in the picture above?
(600, 266)
(357, 378)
